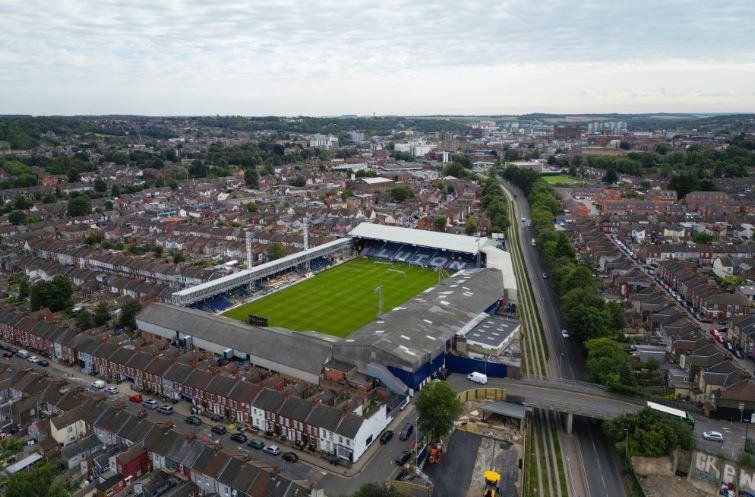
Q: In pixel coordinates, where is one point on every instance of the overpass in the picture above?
(566, 396)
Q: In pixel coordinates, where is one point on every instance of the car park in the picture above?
(193, 420)
(406, 431)
(272, 450)
(150, 404)
(385, 436)
(239, 437)
(403, 457)
(136, 398)
(219, 430)
(165, 409)
(713, 436)
(290, 457)
(256, 443)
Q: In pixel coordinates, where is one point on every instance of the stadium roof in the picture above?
(417, 331)
(421, 238)
(306, 352)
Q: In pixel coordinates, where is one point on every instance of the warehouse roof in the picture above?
(421, 238)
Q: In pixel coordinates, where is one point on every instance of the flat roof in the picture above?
(504, 408)
(421, 238)
(491, 332)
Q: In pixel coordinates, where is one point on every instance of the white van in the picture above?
(478, 378)
(23, 354)
(98, 384)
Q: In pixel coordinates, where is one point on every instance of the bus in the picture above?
(677, 413)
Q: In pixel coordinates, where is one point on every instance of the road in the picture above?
(595, 450)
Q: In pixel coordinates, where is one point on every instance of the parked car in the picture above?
(272, 449)
(256, 443)
(165, 409)
(136, 398)
(564, 334)
(193, 420)
(406, 431)
(43, 362)
(728, 346)
(239, 437)
(150, 404)
(7, 353)
(33, 359)
(112, 390)
(403, 457)
(385, 436)
(290, 457)
(478, 377)
(739, 354)
(714, 436)
(545, 276)
(219, 430)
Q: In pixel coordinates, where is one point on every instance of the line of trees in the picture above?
(586, 314)
(649, 434)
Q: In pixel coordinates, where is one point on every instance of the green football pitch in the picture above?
(340, 300)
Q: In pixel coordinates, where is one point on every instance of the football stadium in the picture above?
(387, 300)
(342, 299)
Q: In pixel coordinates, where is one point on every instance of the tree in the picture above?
(608, 363)
(702, 237)
(683, 184)
(73, 175)
(80, 205)
(251, 179)
(17, 217)
(610, 177)
(55, 294)
(100, 185)
(439, 222)
(471, 226)
(115, 190)
(178, 257)
(84, 319)
(252, 206)
(375, 490)
(275, 251)
(298, 181)
(129, 310)
(101, 315)
(23, 289)
(438, 408)
(38, 481)
(454, 169)
(650, 433)
(401, 193)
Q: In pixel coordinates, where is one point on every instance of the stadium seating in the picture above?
(420, 256)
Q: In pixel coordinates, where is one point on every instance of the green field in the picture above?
(340, 300)
(560, 179)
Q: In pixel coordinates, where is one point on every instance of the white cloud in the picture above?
(397, 56)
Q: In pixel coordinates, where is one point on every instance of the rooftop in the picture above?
(421, 238)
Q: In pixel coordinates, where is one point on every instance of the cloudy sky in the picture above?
(171, 57)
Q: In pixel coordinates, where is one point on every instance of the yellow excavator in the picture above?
(491, 483)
